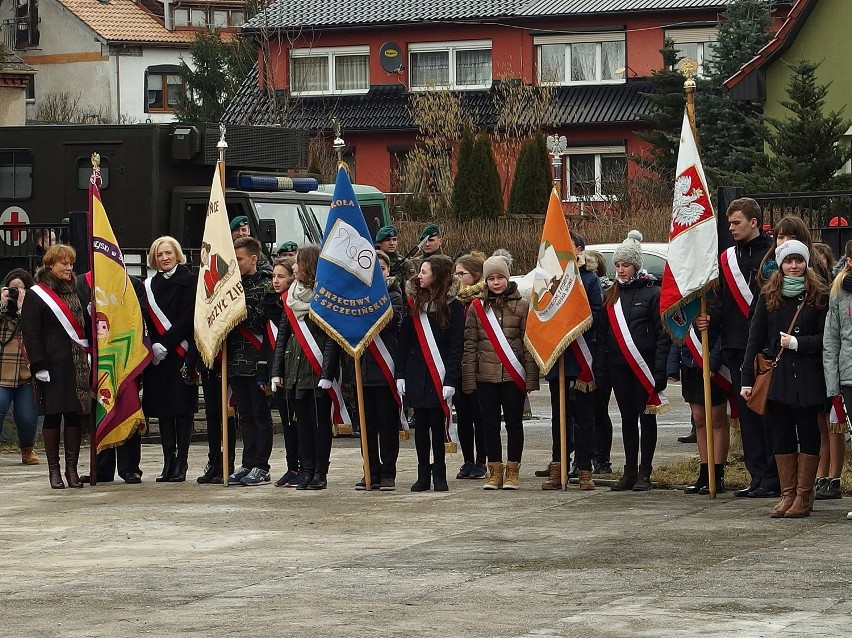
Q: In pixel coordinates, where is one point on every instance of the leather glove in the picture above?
(159, 351)
(400, 387)
(276, 383)
(324, 384)
(449, 392)
(43, 376)
(660, 384)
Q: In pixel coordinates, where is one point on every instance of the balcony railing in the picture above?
(9, 30)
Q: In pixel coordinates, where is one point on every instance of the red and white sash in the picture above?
(657, 402)
(160, 320)
(272, 333)
(736, 281)
(255, 340)
(386, 364)
(837, 415)
(722, 378)
(488, 321)
(434, 364)
(310, 347)
(62, 313)
(583, 354)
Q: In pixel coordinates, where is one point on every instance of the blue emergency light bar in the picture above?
(272, 183)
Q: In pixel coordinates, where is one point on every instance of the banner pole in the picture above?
(226, 458)
(362, 419)
(563, 427)
(708, 404)
(93, 337)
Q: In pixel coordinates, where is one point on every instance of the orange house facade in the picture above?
(361, 64)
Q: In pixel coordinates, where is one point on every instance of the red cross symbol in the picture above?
(14, 221)
(14, 225)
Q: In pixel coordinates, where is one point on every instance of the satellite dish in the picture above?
(390, 56)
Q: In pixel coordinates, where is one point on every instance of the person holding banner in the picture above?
(497, 364)
(165, 393)
(428, 366)
(632, 354)
(52, 321)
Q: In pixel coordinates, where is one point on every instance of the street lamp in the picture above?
(557, 145)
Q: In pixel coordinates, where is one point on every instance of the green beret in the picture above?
(239, 220)
(430, 231)
(288, 246)
(385, 232)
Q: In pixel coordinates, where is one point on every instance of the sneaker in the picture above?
(387, 484)
(465, 470)
(212, 474)
(290, 479)
(573, 472)
(602, 468)
(479, 471)
(257, 476)
(238, 475)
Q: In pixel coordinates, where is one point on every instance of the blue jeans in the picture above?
(26, 418)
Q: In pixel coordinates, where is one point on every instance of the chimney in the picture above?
(167, 14)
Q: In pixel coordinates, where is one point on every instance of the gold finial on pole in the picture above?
(96, 160)
(689, 68)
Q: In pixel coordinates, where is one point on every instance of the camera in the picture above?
(12, 303)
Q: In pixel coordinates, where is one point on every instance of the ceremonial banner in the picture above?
(559, 309)
(351, 301)
(122, 343)
(220, 303)
(692, 265)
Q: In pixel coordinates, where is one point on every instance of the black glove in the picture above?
(660, 383)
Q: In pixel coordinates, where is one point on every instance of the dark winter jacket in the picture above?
(681, 357)
(164, 390)
(273, 308)
(592, 284)
(411, 364)
(640, 301)
(798, 379)
(244, 358)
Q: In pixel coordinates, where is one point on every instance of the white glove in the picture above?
(324, 384)
(277, 382)
(449, 392)
(43, 376)
(159, 351)
(400, 387)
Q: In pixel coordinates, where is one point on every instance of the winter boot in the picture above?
(51, 450)
(544, 472)
(830, 491)
(808, 464)
(183, 425)
(495, 477)
(28, 457)
(627, 480)
(701, 482)
(586, 482)
(72, 438)
(787, 476)
(720, 481)
(439, 477)
(643, 483)
(424, 478)
(513, 475)
(554, 480)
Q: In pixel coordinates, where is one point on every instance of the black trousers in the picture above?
(580, 411)
(756, 432)
(128, 455)
(794, 429)
(287, 414)
(429, 432)
(508, 396)
(53, 421)
(631, 397)
(255, 421)
(603, 423)
(471, 429)
(313, 423)
(212, 386)
(381, 414)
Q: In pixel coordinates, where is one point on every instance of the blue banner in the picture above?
(351, 300)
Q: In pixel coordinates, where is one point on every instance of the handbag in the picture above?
(764, 368)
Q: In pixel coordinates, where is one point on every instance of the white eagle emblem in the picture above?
(686, 209)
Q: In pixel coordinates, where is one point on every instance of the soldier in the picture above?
(432, 243)
(288, 249)
(240, 227)
(387, 241)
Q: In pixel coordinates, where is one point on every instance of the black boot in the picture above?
(212, 473)
(627, 480)
(701, 483)
(689, 438)
(51, 450)
(318, 482)
(439, 477)
(72, 438)
(424, 477)
(720, 481)
(183, 427)
(643, 482)
(169, 442)
(305, 478)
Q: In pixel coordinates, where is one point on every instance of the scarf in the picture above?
(847, 283)
(467, 294)
(168, 273)
(639, 274)
(299, 299)
(792, 286)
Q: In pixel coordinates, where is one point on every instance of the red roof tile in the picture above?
(125, 21)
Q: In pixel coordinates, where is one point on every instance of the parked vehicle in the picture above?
(654, 255)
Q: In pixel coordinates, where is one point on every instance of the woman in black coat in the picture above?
(168, 391)
(58, 361)
(433, 292)
(797, 390)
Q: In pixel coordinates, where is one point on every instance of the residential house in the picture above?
(15, 78)
(361, 65)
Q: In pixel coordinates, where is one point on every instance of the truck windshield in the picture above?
(320, 214)
(288, 222)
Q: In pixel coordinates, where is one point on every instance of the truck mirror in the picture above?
(266, 231)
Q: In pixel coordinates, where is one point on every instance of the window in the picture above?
(164, 91)
(588, 58)
(181, 17)
(595, 173)
(454, 65)
(220, 18)
(697, 44)
(31, 90)
(16, 174)
(198, 17)
(84, 173)
(326, 70)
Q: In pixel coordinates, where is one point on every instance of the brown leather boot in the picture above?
(586, 482)
(51, 450)
(495, 477)
(787, 471)
(72, 438)
(808, 464)
(28, 457)
(513, 475)
(554, 477)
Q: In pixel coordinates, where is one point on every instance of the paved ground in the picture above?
(190, 560)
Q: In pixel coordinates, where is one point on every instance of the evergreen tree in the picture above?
(724, 125)
(532, 182)
(462, 186)
(804, 151)
(485, 192)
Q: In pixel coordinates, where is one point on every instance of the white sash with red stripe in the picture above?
(272, 333)
(657, 402)
(434, 364)
(160, 320)
(837, 417)
(488, 321)
(62, 313)
(310, 347)
(386, 364)
(736, 281)
(583, 355)
(722, 378)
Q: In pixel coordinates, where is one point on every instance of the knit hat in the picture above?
(385, 232)
(630, 251)
(495, 264)
(239, 220)
(792, 247)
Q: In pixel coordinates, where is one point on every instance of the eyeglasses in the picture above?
(461, 273)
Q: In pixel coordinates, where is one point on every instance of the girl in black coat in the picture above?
(60, 365)
(797, 390)
(168, 391)
(432, 292)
